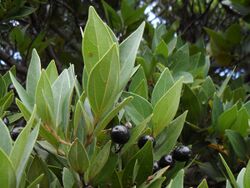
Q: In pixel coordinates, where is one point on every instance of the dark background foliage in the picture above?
(53, 28)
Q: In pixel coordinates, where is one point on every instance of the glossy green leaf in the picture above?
(104, 122)
(238, 143)
(7, 172)
(96, 40)
(78, 157)
(22, 93)
(166, 140)
(136, 132)
(178, 180)
(128, 50)
(68, 178)
(164, 83)
(138, 109)
(229, 172)
(36, 182)
(203, 184)
(33, 75)
(3, 87)
(62, 89)
(138, 84)
(51, 71)
(166, 108)
(226, 119)
(44, 99)
(192, 104)
(23, 147)
(241, 124)
(162, 49)
(25, 112)
(144, 158)
(224, 85)
(240, 178)
(113, 18)
(99, 161)
(247, 175)
(34, 171)
(5, 139)
(103, 82)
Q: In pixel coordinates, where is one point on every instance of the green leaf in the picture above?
(131, 15)
(96, 40)
(224, 85)
(2, 87)
(62, 89)
(25, 112)
(37, 167)
(51, 72)
(240, 178)
(166, 140)
(162, 49)
(22, 93)
(166, 108)
(203, 184)
(138, 109)
(247, 175)
(68, 178)
(44, 100)
(229, 172)
(226, 119)
(105, 174)
(23, 147)
(158, 34)
(33, 75)
(139, 84)
(78, 157)
(104, 122)
(136, 133)
(128, 50)
(177, 182)
(144, 158)
(156, 179)
(7, 172)
(192, 104)
(217, 109)
(36, 182)
(99, 161)
(238, 143)
(241, 123)
(102, 86)
(5, 139)
(113, 18)
(164, 83)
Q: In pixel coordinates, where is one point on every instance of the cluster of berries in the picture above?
(120, 134)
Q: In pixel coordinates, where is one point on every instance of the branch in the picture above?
(10, 61)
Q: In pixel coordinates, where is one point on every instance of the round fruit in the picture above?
(166, 160)
(15, 132)
(155, 167)
(182, 153)
(6, 121)
(120, 134)
(143, 140)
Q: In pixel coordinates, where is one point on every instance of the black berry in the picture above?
(6, 121)
(166, 160)
(143, 140)
(155, 167)
(182, 153)
(120, 134)
(15, 132)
